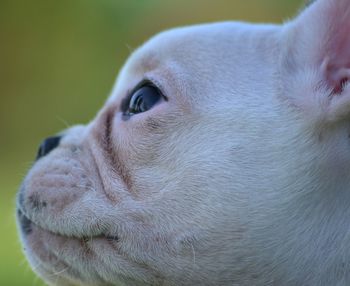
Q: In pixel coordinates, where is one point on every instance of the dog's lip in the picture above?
(28, 228)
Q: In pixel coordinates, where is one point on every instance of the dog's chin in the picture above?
(55, 256)
(74, 260)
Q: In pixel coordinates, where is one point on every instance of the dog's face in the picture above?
(221, 157)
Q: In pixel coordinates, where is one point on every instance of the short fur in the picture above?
(240, 178)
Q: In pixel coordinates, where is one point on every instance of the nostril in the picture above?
(47, 146)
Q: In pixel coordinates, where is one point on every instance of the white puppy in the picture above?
(222, 157)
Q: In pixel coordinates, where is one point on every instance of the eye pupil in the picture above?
(143, 99)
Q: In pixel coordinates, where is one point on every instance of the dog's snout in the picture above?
(47, 146)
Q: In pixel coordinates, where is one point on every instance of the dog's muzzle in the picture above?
(45, 148)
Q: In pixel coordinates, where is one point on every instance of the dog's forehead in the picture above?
(197, 55)
(199, 42)
(181, 45)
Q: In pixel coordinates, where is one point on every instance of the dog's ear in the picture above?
(319, 42)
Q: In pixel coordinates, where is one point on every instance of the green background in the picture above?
(58, 62)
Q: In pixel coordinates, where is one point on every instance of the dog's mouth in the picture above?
(26, 225)
(61, 257)
(55, 256)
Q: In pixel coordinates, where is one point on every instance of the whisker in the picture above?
(130, 49)
(59, 272)
(193, 253)
(65, 123)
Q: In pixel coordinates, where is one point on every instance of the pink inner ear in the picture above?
(340, 87)
(325, 27)
(336, 77)
(321, 42)
(336, 43)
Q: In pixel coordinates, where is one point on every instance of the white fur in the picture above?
(243, 179)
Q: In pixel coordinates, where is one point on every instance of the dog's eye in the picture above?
(143, 99)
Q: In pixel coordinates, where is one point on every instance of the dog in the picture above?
(221, 158)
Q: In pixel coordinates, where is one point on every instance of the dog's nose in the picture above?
(47, 146)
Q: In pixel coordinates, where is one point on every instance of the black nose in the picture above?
(47, 146)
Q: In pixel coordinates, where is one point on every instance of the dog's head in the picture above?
(221, 157)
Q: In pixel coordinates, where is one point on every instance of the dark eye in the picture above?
(142, 100)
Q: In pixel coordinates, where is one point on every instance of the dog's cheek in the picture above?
(178, 175)
(142, 137)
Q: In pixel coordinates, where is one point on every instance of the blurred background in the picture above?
(58, 62)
